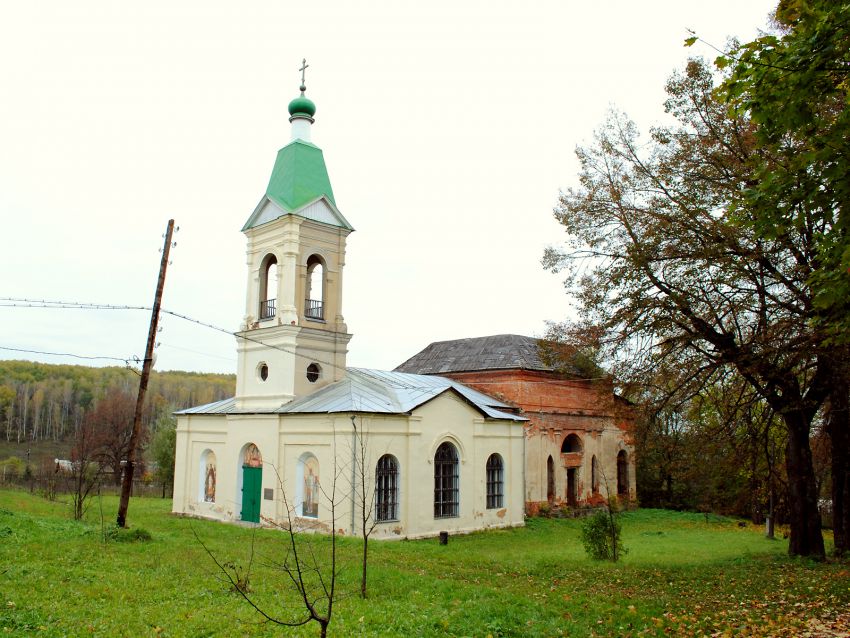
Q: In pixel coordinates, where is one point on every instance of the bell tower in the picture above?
(293, 339)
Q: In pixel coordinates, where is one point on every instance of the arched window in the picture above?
(594, 475)
(495, 482)
(386, 489)
(622, 473)
(314, 305)
(571, 444)
(207, 477)
(446, 482)
(268, 287)
(550, 479)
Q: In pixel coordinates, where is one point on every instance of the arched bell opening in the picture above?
(314, 303)
(268, 288)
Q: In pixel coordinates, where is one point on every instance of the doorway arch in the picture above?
(250, 483)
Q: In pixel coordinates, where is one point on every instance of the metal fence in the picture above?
(61, 484)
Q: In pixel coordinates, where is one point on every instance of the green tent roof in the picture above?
(298, 178)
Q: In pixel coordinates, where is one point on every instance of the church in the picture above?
(304, 433)
(579, 445)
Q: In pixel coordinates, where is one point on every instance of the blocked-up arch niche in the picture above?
(571, 444)
(622, 473)
(594, 474)
(307, 486)
(268, 287)
(314, 292)
(207, 471)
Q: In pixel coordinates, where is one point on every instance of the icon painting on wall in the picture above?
(209, 479)
(310, 506)
(253, 458)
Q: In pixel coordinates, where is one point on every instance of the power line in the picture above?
(42, 303)
(74, 305)
(16, 302)
(65, 354)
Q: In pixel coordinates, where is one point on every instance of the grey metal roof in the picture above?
(496, 352)
(219, 407)
(373, 391)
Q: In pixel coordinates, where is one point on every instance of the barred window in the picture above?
(495, 482)
(446, 482)
(386, 489)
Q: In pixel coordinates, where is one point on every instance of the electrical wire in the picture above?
(73, 305)
(65, 354)
(17, 302)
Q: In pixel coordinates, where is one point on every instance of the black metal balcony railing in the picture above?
(267, 310)
(314, 309)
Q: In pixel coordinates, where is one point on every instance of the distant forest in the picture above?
(42, 402)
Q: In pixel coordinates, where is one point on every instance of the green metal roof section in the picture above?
(299, 177)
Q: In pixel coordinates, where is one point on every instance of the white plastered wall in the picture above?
(413, 439)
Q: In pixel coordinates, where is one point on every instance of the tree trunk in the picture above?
(771, 520)
(838, 429)
(806, 537)
(363, 575)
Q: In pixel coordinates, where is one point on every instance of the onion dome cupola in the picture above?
(302, 107)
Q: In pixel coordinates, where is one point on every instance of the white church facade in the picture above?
(436, 455)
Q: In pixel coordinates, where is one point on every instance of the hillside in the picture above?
(42, 404)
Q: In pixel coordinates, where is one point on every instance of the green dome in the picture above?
(302, 106)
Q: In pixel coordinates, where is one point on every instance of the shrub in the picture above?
(11, 468)
(600, 535)
(135, 535)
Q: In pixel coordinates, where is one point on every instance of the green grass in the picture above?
(683, 575)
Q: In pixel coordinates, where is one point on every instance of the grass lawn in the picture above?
(683, 575)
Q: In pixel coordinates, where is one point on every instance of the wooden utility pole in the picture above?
(127, 483)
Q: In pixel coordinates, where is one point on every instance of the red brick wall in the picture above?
(545, 393)
(556, 407)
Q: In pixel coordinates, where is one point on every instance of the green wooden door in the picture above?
(252, 481)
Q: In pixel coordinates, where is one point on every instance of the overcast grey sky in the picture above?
(448, 129)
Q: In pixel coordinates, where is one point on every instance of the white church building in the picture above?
(439, 456)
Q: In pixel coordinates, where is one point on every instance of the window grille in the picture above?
(314, 309)
(267, 309)
(495, 482)
(446, 482)
(386, 489)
